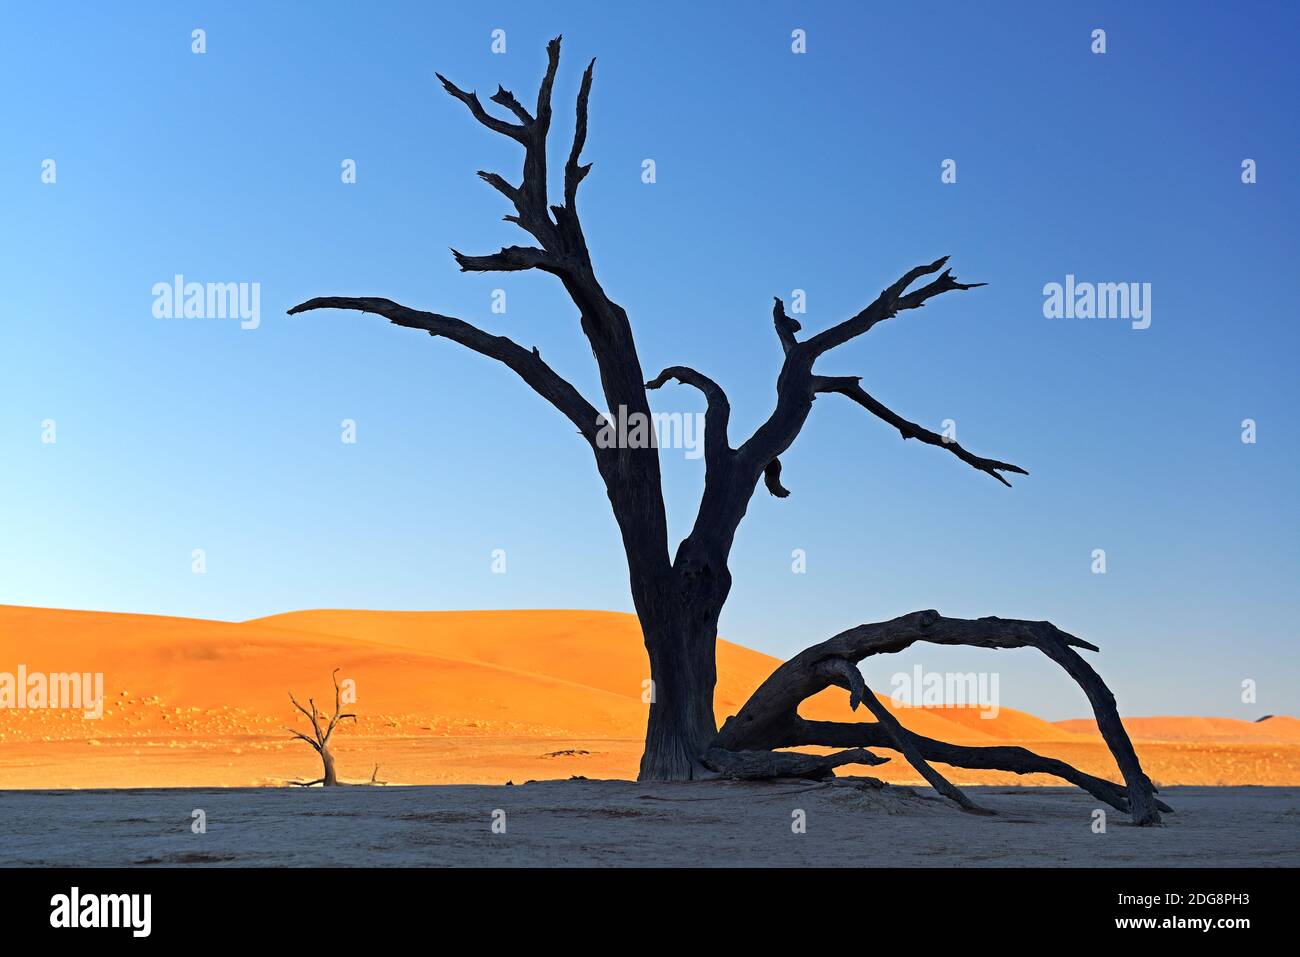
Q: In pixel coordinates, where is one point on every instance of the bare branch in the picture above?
(899, 633)
(763, 765)
(895, 290)
(688, 376)
(311, 716)
(509, 259)
(338, 706)
(499, 183)
(946, 282)
(303, 737)
(529, 198)
(889, 303)
(722, 509)
(543, 123)
(786, 326)
(850, 386)
(574, 173)
(533, 204)
(507, 99)
(298, 706)
(841, 670)
(1008, 758)
(529, 366)
(772, 479)
(845, 674)
(517, 133)
(797, 386)
(719, 408)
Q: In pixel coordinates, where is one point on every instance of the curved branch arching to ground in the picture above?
(770, 718)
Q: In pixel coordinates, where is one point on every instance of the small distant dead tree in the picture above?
(321, 741)
(679, 596)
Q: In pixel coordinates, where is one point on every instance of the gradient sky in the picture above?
(775, 171)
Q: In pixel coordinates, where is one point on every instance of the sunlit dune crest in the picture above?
(1275, 729)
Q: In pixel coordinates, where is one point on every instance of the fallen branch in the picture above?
(770, 719)
(763, 765)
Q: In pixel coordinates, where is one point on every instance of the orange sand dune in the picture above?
(441, 697)
(603, 650)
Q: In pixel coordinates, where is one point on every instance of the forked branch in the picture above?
(563, 249)
(798, 385)
(891, 301)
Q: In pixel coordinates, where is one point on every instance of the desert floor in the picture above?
(163, 760)
(621, 823)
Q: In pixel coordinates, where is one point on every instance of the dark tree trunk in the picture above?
(330, 779)
(683, 669)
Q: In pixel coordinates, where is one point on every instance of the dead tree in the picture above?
(321, 741)
(679, 596)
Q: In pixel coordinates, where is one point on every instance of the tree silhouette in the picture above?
(321, 735)
(679, 597)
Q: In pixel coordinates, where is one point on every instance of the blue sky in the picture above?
(775, 172)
